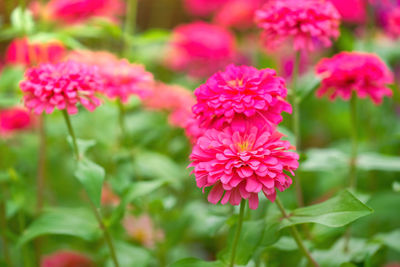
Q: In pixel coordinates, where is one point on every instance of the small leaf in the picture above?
(396, 186)
(391, 239)
(307, 84)
(22, 20)
(335, 212)
(193, 262)
(129, 255)
(83, 145)
(324, 160)
(63, 221)
(91, 177)
(378, 162)
(140, 189)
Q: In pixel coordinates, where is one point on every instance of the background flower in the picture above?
(13, 120)
(66, 259)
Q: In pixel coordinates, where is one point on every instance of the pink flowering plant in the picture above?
(199, 133)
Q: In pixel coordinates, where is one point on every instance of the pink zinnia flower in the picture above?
(62, 86)
(239, 94)
(237, 13)
(76, 11)
(308, 22)
(200, 49)
(354, 11)
(27, 53)
(120, 77)
(13, 120)
(108, 197)
(66, 259)
(365, 74)
(143, 230)
(203, 7)
(394, 22)
(240, 165)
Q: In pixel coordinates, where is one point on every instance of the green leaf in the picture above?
(129, 255)
(250, 238)
(307, 84)
(378, 162)
(391, 239)
(63, 221)
(335, 212)
(91, 177)
(83, 145)
(9, 81)
(22, 20)
(193, 262)
(324, 160)
(396, 186)
(140, 189)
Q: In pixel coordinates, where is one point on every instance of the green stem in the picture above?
(238, 230)
(71, 133)
(130, 22)
(95, 210)
(354, 142)
(296, 124)
(296, 235)
(121, 117)
(41, 163)
(3, 229)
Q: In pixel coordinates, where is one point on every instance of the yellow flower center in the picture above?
(243, 146)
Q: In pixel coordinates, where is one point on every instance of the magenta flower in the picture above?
(13, 120)
(62, 86)
(365, 74)
(66, 258)
(240, 94)
(394, 22)
(240, 165)
(200, 49)
(308, 23)
(203, 7)
(237, 13)
(353, 11)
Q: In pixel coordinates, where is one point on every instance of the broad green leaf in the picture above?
(91, 177)
(335, 212)
(250, 238)
(378, 162)
(307, 84)
(193, 262)
(129, 255)
(63, 221)
(324, 160)
(83, 145)
(140, 189)
(22, 20)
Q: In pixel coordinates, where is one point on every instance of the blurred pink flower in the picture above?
(62, 86)
(237, 13)
(203, 7)
(66, 259)
(142, 230)
(394, 22)
(309, 22)
(120, 77)
(13, 120)
(108, 197)
(28, 53)
(240, 165)
(200, 49)
(239, 94)
(354, 11)
(76, 11)
(365, 74)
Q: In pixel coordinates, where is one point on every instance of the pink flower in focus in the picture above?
(353, 11)
(200, 49)
(239, 94)
(308, 22)
(27, 53)
(66, 259)
(365, 74)
(13, 120)
(62, 86)
(237, 13)
(120, 77)
(76, 11)
(394, 22)
(240, 165)
(142, 230)
(203, 7)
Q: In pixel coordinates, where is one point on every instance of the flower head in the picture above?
(394, 22)
(353, 11)
(365, 74)
(142, 229)
(240, 165)
(239, 94)
(237, 13)
(28, 53)
(120, 77)
(307, 22)
(62, 86)
(76, 11)
(66, 259)
(203, 7)
(200, 49)
(13, 120)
